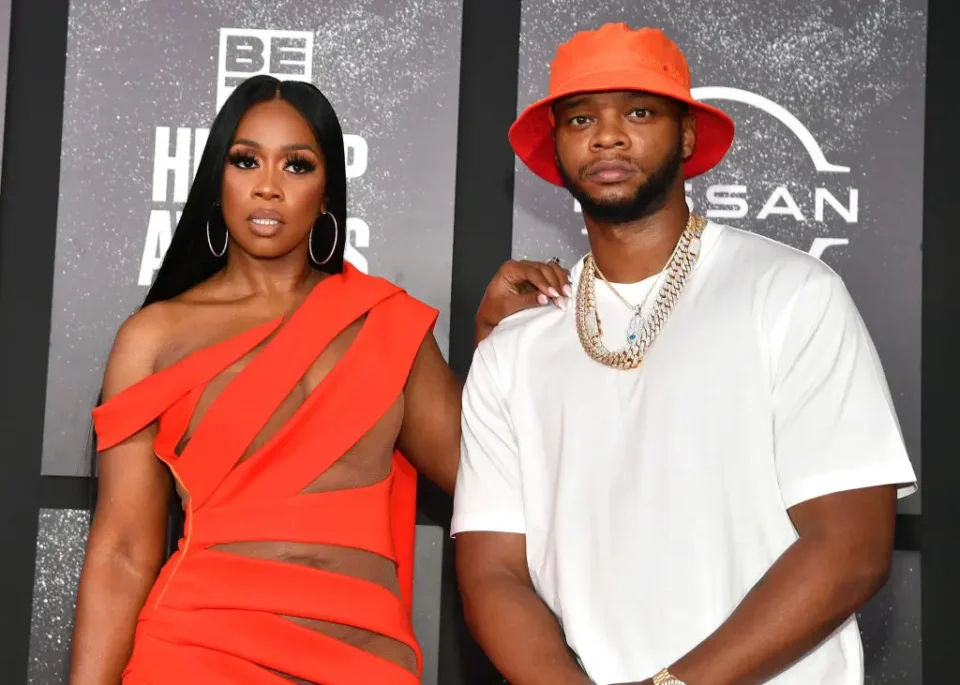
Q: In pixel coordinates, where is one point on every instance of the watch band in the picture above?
(665, 677)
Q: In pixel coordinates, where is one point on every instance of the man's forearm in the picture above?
(810, 591)
(519, 633)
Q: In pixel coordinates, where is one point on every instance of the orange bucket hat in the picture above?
(616, 57)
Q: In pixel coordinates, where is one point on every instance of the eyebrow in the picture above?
(286, 148)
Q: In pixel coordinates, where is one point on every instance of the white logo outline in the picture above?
(778, 112)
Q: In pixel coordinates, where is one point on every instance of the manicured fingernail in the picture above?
(568, 291)
(542, 299)
(553, 293)
(560, 302)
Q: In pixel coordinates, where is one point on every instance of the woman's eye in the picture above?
(243, 161)
(301, 166)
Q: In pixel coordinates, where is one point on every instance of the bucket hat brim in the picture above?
(531, 135)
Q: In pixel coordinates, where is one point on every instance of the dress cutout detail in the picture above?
(217, 615)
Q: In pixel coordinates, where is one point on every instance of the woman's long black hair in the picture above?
(189, 259)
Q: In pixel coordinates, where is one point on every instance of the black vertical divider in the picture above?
(483, 219)
(940, 501)
(482, 241)
(28, 223)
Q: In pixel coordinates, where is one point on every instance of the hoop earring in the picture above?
(210, 242)
(333, 248)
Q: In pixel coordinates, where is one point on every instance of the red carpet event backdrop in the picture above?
(143, 84)
(827, 97)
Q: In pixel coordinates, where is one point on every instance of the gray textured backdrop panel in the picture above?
(142, 76)
(890, 627)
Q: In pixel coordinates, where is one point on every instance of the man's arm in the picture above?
(840, 561)
(513, 626)
(840, 460)
(516, 629)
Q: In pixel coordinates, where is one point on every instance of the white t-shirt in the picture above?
(653, 500)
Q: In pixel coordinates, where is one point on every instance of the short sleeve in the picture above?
(835, 426)
(488, 495)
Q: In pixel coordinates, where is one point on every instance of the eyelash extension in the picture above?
(302, 160)
(235, 158)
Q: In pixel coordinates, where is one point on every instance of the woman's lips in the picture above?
(265, 222)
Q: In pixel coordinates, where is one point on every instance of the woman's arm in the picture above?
(430, 434)
(520, 285)
(126, 545)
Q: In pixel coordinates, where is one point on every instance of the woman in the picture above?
(282, 393)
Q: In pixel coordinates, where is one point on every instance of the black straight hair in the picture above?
(189, 259)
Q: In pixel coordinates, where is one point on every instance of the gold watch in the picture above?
(665, 677)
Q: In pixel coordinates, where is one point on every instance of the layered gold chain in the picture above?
(639, 337)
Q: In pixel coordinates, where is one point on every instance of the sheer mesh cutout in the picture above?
(367, 463)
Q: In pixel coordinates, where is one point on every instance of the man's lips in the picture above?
(609, 172)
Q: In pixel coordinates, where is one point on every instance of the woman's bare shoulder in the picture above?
(145, 329)
(157, 325)
(144, 336)
(139, 340)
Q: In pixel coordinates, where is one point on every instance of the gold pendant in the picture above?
(589, 326)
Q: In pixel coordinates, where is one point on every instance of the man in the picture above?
(691, 475)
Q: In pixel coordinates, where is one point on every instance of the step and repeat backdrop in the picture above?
(828, 100)
(143, 84)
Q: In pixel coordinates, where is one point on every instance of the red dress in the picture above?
(220, 617)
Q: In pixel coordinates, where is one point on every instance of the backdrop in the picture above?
(827, 96)
(143, 80)
(143, 84)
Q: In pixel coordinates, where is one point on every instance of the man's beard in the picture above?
(648, 198)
